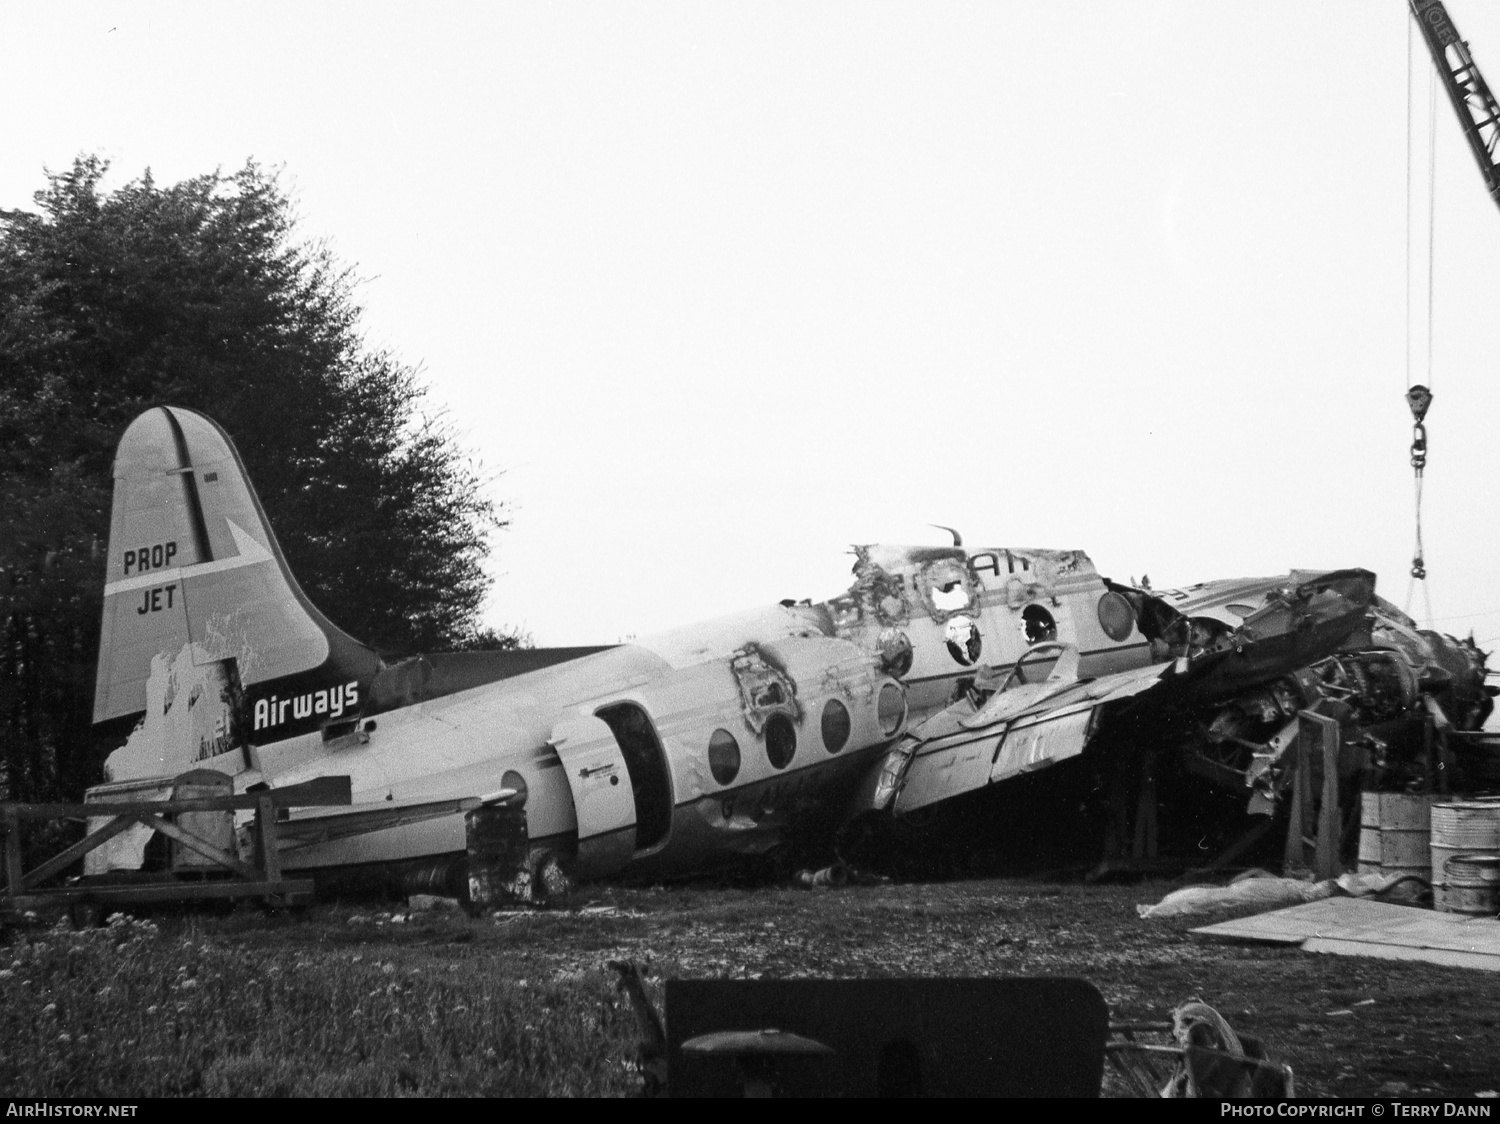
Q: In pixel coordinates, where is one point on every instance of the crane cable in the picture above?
(1419, 395)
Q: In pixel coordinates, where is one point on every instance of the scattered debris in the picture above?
(828, 877)
(1208, 1059)
(432, 903)
(1264, 890)
(1259, 888)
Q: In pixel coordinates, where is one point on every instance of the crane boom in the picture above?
(1470, 94)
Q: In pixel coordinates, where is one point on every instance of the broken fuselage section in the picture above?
(1204, 719)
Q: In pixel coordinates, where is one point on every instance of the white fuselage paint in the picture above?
(463, 744)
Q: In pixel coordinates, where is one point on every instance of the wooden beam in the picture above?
(1327, 863)
(66, 858)
(1294, 855)
(10, 823)
(202, 846)
(318, 792)
(296, 890)
(265, 830)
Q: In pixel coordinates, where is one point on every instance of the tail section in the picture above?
(202, 615)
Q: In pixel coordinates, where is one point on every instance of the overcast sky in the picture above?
(723, 288)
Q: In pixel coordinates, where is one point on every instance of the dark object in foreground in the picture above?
(885, 1037)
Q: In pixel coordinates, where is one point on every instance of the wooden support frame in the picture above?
(262, 878)
(1315, 831)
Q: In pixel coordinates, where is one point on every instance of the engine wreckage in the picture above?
(1192, 740)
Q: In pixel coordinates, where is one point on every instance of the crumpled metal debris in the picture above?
(1203, 1057)
(828, 876)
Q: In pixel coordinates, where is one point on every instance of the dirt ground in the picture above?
(1349, 1027)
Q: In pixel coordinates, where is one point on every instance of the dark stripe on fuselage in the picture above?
(190, 487)
(849, 759)
(835, 759)
(960, 672)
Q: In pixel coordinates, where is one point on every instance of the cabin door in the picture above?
(602, 794)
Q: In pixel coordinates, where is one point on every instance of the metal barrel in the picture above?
(1369, 833)
(1393, 836)
(499, 854)
(1474, 884)
(1462, 827)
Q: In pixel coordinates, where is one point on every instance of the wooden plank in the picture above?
(1326, 861)
(293, 889)
(10, 823)
(1296, 923)
(1358, 927)
(318, 792)
(265, 831)
(66, 858)
(1448, 957)
(1294, 855)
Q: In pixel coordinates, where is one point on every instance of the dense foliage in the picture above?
(202, 295)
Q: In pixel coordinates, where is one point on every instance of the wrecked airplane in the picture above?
(942, 673)
(704, 743)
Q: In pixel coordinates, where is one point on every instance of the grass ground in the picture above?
(346, 1000)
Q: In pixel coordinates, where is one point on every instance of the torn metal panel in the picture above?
(983, 739)
(1036, 743)
(191, 717)
(765, 687)
(877, 594)
(1034, 575)
(947, 588)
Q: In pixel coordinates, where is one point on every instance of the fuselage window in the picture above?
(1038, 624)
(890, 709)
(723, 756)
(835, 725)
(781, 740)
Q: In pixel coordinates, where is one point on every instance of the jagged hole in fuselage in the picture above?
(646, 762)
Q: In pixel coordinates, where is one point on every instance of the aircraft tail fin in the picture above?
(201, 608)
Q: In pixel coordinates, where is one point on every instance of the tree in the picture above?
(201, 294)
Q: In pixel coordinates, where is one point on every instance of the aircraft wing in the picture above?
(1019, 730)
(1024, 727)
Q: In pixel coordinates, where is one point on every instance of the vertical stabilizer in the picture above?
(197, 593)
